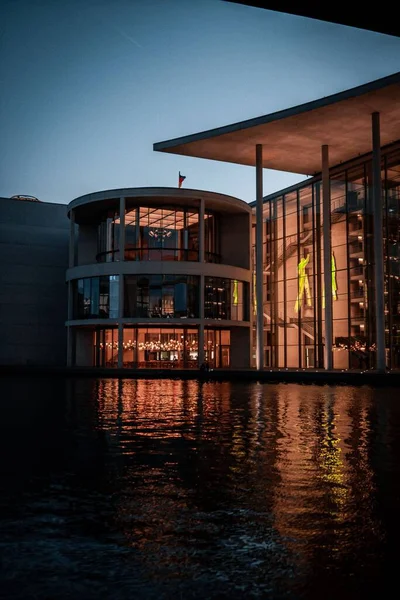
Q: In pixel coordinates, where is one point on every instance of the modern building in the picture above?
(305, 278)
(34, 239)
(326, 252)
(159, 277)
(293, 281)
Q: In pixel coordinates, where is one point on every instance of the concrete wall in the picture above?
(34, 238)
(235, 240)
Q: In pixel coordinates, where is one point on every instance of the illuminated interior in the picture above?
(294, 297)
(159, 347)
(158, 234)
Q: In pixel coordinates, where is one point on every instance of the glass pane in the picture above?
(114, 296)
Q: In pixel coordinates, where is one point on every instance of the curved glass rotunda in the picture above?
(159, 277)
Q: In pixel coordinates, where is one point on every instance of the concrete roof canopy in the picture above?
(292, 138)
(88, 206)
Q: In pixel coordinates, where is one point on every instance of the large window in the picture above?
(161, 296)
(148, 347)
(158, 234)
(225, 299)
(108, 237)
(217, 345)
(161, 347)
(294, 299)
(96, 297)
(162, 234)
(106, 348)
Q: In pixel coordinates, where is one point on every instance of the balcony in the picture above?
(157, 254)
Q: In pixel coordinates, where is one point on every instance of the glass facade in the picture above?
(155, 296)
(160, 296)
(225, 299)
(160, 311)
(96, 297)
(108, 237)
(156, 347)
(162, 234)
(294, 298)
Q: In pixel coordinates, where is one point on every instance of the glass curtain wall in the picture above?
(96, 297)
(162, 234)
(392, 252)
(155, 296)
(294, 295)
(211, 238)
(225, 299)
(217, 348)
(158, 347)
(151, 233)
(108, 237)
(106, 348)
(160, 296)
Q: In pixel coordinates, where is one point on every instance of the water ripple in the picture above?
(185, 489)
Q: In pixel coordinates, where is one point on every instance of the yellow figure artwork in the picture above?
(304, 285)
(235, 292)
(334, 282)
(254, 294)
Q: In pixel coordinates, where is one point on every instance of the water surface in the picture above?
(185, 489)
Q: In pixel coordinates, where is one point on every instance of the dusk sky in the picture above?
(87, 87)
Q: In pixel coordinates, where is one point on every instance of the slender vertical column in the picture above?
(120, 324)
(378, 244)
(259, 261)
(320, 347)
(121, 283)
(326, 231)
(70, 316)
(201, 231)
(71, 261)
(122, 229)
(201, 327)
(138, 252)
(120, 345)
(201, 290)
(250, 292)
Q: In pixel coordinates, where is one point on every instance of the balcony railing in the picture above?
(157, 254)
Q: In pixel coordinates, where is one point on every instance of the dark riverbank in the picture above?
(302, 376)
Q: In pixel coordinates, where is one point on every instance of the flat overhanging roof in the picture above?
(292, 138)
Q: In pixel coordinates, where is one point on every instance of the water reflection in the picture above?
(209, 489)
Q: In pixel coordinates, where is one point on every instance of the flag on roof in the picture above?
(181, 179)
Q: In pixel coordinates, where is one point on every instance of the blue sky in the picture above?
(88, 86)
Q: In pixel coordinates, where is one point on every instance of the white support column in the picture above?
(122, 229)
(259, 260)
(138, 252)
(250, 294)
(121, 283)
(71, 260)
(378, 244)
(201, 290)
(326, 231)
(201, 231)
(201, 327)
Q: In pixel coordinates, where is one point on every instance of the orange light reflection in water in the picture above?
(286, 465)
